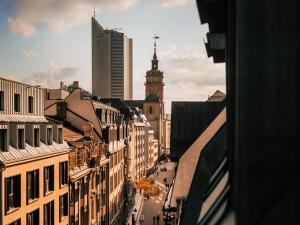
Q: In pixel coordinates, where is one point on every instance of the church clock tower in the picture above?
(154, 98)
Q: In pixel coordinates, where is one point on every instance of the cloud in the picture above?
(30, 54)
(58, 15)
(21, 27)
(52, 76)
(172, 3)
(189, 74)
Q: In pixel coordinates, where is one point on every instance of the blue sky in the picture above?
(44, 42)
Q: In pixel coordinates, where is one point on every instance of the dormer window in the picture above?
(21, 138)
(3, 138)
(33, 136)
(47, 134)
(36, 137)
(58, 133)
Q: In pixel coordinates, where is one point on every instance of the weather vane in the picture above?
(155, 37)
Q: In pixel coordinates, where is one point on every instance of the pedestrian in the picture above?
(142, 218)
(140, 191)
(154, 218)
(157, 219)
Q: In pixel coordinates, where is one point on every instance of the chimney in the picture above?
(61, 85)
(75, 84)
(87, 129)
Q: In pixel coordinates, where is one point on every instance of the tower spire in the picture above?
(154, 60)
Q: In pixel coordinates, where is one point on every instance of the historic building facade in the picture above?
(154, 99)
(109, 129)
(33, 159)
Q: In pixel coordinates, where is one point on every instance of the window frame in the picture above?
(3, 139)
(31, 214)
(50, 189)
(2, 101)
(17, 102)
(35, 189)
(63, 206)
(30, 104)
(8, 209)
(63, 170)
(51, 213)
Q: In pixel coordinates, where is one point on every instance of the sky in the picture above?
(47, 41)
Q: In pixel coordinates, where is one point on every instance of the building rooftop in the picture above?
(184, 130)
(13, 155)
(22, 118)
(189, 160)
(218, 96)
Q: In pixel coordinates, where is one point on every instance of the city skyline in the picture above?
(33, 50)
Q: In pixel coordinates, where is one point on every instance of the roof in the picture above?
(154, 73)
(152, 98)
(184, 130)
(71, 134)
(30, 152)
(118, 104)
(5, 77)
(189, 160)
(22, 118)
(135, 103)
(218, 96)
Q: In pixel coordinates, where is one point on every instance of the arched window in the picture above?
(150, 109)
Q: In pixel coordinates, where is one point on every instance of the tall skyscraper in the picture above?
(111, 63)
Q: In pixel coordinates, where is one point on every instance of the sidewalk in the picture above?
(139, 201)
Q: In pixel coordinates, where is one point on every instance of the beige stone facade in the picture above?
(108, 129)
(33, 159)
(166, 134)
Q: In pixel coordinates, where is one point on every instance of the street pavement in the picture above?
(153, 206)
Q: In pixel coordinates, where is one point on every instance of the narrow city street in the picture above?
(153, 206)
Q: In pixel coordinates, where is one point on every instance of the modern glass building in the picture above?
(111, 63)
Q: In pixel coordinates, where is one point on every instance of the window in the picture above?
(12, 193)
(150, 109)
(32, 185)
(93, 209)
(21, 139)
(17, 222)
(36, 137)
(118, 133)
(30, 104)
(33, 218)
(48, 179)
(49, 136)
(1, 100)
(63, 173)
(3, 139)
(49, 213)
(63, 206)
(17, 102)
(60, 136)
